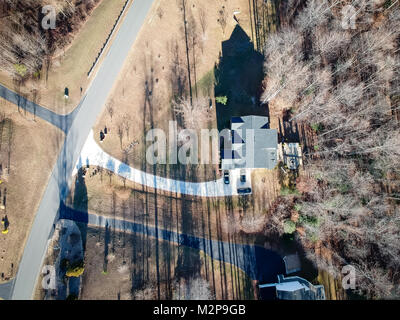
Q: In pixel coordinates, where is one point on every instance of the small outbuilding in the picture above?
(292, 263)
(296, 288)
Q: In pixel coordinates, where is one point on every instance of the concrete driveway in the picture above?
(93, 155)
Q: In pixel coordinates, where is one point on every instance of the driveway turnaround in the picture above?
(93, 155)
(83, 120)
(257, 262)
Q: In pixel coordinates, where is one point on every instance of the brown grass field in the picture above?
(28, 152)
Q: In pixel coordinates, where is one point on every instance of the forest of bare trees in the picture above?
(344, 83)
(25, 46)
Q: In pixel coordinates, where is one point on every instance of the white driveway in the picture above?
(93, 155)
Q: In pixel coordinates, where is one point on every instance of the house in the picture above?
(296, 288)
(252, 144)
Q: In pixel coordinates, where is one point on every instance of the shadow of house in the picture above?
(239, 76)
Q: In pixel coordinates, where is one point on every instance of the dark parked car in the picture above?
(243, 176)
(226, 177)
(244, 191)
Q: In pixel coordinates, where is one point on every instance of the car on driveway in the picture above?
(243, 176)
(244, 191)
(226, 177)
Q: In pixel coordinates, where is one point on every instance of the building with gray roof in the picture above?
(253, 145)
(296, 288)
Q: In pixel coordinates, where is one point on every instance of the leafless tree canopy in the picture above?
(110, 108)
(346, 82)
(222, 18)
(25, 45)
(203, 21)
(196, 115)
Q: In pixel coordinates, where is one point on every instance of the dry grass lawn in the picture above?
(28, 152)
(266, 188)
(157, 71)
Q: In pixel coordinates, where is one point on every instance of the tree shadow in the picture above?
(80, 201)
(288, 130)
(239, 76)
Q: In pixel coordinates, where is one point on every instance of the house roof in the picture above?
(252, 134)
(290, 286)
(296, 288)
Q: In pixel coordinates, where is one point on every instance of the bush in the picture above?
(20, 69)
(222, 100)
(317, 127)
(310, 221)
(72, 297)
(76, 270)
(289, 227)
(286, 191)
(297, 207)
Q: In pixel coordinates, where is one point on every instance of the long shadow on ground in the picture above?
(239, 76)
(257, 262)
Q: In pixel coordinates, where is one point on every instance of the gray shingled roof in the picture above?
(265, 143)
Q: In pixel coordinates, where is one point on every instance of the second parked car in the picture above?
(226, 177)
(243, 176)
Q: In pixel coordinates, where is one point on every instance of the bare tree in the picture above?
(253, 224)
(24, 49)
(193, 289)
(160, 12)
(287, 72)
(222, 19)
(120, 132)
(330, 43)
(196, 115)
(203, 21)
(347, 209)
(316, 13)
(126, 123)
(110, 108)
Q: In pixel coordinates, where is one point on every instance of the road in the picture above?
(63, 122)
(257, 262)
(82, 122)
(5, 289)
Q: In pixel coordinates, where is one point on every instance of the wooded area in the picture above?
(25, 46)
(344, 84)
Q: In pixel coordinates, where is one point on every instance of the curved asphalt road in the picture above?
(257, 262)
(77, 131)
